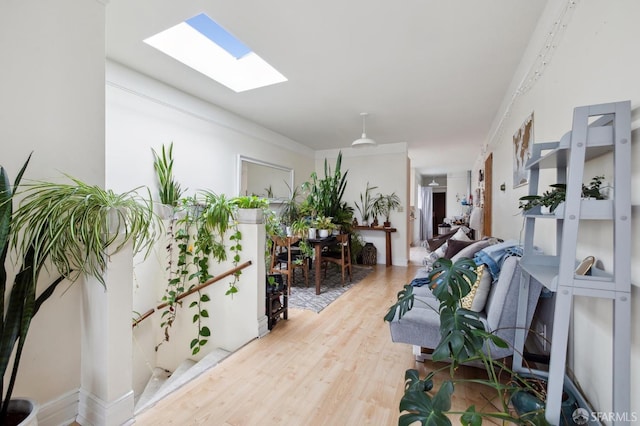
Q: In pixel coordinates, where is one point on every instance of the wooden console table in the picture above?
(387, 232)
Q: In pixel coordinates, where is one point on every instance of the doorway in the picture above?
(439, 209)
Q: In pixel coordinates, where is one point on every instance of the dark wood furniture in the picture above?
(318, 244)
(276, 301)
(342, 257)
(387, 232)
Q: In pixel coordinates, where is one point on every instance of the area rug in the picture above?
(330, 287)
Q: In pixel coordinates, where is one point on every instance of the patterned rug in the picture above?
(330, 287)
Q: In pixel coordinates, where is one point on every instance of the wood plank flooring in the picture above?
(338, 367)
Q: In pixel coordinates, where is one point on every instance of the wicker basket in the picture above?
(369, 254)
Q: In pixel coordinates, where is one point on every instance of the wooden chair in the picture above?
(285, 260)
(341, 257)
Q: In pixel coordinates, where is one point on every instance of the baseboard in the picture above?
(96, 412)
(263, 326)
(61, 411)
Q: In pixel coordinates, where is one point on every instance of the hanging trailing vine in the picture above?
(196, 240)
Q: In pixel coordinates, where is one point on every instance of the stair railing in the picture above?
(207, 283)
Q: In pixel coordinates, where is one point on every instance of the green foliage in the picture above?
(384, 204)
(463, 338)
(365, 208)
(322, 222)
(325, 195)
(250, 202)
(69, 226)
(169, 191)
(197, 239)
(552, 198)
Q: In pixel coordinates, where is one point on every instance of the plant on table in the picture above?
(70, 228)
(384, 204)
(324, 196)
(463, 339)
(365, 207)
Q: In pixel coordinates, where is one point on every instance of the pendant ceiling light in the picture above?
(364, 140)
(434, 183)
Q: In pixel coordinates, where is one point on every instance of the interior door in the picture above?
(439, 209)
(488, 185)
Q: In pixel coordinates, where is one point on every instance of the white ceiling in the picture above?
(431, 73)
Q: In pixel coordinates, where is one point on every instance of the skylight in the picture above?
(205, 46)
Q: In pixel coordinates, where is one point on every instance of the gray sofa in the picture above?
(420, 326)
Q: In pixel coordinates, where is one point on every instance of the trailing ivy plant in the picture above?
(198, 239)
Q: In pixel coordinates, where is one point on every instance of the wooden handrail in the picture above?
(143, 316)
(193, 290)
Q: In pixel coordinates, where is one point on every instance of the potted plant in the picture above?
(169, 190)
(550, 200)
(463, 340)
(66, 227)
(290, 209)
(365, 208)
(324, 226)
(324, 196)
(250, 208)
(385, 204)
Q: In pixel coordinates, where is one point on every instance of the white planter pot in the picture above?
(27, 407)
(312, 233)
(323, 233)
(250, 216)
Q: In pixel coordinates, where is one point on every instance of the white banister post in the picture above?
(106, 390)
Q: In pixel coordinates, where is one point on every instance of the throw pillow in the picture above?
(461, 235)
(454, 246)
(471, 249)
(477, 297)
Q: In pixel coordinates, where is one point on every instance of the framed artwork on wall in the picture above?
(522, 141)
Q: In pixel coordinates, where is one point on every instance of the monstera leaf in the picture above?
(452, 281)
(403, 305)
(420, 406)
(459, 340)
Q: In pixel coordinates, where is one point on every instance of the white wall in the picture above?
(457, 189)
(143, 113)
(593, 62)
(386, 167)
(52, 103)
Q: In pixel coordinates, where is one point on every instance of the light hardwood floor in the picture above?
(338, 367)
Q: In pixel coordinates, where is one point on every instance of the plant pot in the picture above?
(387, 224)
(323, 233)
(312, 233)
(250, 216)
(22, 412)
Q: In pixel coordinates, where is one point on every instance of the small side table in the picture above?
(387, 232)
(276, 301)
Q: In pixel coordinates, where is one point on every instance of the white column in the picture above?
(106, 392)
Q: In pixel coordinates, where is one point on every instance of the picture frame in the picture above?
(522, 146)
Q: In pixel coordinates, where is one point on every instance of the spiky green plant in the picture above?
(70, 226)
(170, 190)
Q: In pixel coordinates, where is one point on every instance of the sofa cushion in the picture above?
(454, 246)
(477, 297)
(471, 250)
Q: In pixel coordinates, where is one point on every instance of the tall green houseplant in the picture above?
(69, 227)
(169, 190)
